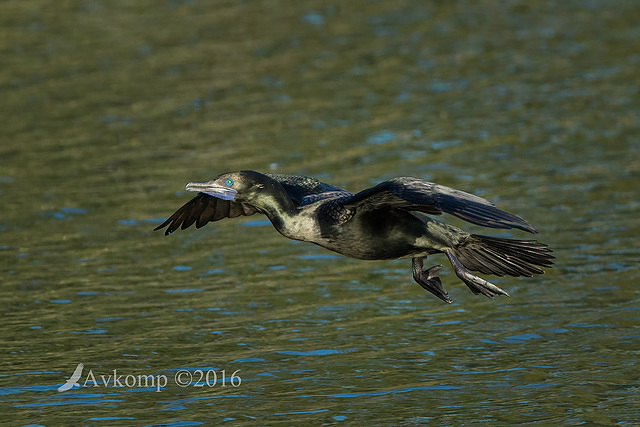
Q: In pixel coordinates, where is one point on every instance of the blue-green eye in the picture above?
(228, 182)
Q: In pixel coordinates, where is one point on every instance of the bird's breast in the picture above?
(300, 227)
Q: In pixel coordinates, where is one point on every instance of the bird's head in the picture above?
(243, 186)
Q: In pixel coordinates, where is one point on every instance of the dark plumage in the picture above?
(381, 222)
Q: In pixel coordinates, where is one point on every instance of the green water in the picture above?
(109, 108)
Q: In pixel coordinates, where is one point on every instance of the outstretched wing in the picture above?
(300, 187)
(202, 209)
(414, 194)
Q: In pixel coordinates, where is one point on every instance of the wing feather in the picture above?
(203, 209)
(413, 194)
(300, 187)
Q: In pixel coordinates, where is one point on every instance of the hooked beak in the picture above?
(213, 189)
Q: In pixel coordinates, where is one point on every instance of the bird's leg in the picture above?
(429, 279)
(477, 284)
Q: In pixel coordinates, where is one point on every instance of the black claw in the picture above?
(429, 279)
(434, 272)
(477, 284)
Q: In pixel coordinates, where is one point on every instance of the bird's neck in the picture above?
(280, 210)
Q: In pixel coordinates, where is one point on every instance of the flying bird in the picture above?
(391, 220)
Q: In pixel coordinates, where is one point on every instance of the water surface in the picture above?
(109, 108)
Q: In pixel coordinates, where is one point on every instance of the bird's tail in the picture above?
(494, 255)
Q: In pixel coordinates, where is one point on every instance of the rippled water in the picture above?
(109, 108)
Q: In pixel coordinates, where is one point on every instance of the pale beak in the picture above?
(213, 189)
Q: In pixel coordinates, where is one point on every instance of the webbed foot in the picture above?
(429, 279)
(477, 284)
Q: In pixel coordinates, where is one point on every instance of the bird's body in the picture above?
(384, 222)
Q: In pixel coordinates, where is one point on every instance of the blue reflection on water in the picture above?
(318, 256)
(210, 272)
(182, 423)
(64, 212)
(382, 137)
(313, 18)
(382, 393)
(90, 331)
(249, 359)
(308, 353)
(317, 411)
(256, 223)
(77, 211)
(523, 337)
